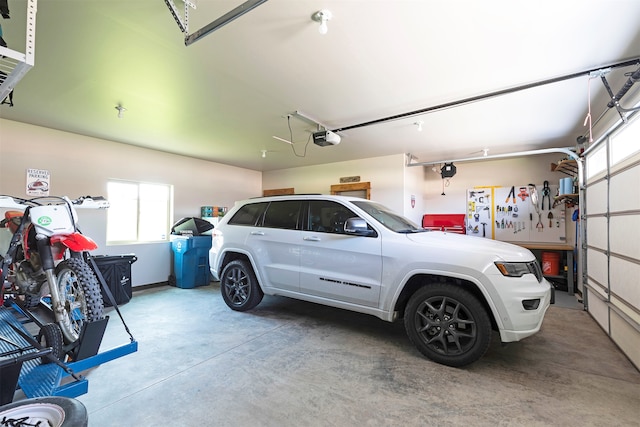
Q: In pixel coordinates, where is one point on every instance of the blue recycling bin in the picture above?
(191, 260)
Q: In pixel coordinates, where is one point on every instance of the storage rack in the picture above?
(570, 168)
(13, 64)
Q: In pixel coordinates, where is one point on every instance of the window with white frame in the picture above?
(138, 212)
(626, 142)
(597, 161)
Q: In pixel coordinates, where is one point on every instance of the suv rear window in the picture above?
(284, 214)
(249, 214)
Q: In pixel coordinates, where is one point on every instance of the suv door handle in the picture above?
(311, 238)
(257, 233)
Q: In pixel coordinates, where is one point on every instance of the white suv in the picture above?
(351, 253)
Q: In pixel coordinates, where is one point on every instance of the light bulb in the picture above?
(322, 16)
(323, 27)
(121, 110)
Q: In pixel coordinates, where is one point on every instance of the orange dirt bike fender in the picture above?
(76, 242)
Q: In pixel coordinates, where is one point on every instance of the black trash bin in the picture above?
(191, 226)
(116, 270)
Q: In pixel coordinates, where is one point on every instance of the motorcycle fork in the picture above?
(46, 258)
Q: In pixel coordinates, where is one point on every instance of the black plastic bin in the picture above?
(116, 270)
(191, 226)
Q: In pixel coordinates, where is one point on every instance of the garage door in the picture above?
(612, 213)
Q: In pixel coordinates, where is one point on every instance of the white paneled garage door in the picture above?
(612, 212)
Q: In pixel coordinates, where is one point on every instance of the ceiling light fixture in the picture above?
(419, 124)
(322, 16)
(485, 152)
(264, 153)
(121, 110)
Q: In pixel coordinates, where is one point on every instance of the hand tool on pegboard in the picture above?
(512, 194)
(523, 193)
(546, 194)
(539, 225)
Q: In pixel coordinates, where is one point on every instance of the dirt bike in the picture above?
(45, 260)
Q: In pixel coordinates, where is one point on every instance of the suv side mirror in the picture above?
(357, 226)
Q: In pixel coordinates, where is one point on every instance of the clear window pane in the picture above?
(597, 161)
(138, 212)
(122, 215)
(625, 143)
(154, 213)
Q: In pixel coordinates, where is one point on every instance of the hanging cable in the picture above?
(304, 154)
(588, 118)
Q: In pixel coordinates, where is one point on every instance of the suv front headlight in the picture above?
(518, 269)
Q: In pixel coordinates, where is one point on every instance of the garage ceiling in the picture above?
(224, 97)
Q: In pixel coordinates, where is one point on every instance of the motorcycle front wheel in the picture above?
(80, 295)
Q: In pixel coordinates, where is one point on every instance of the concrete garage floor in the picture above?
(291, 363)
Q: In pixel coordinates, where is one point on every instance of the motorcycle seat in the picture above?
(12, 220)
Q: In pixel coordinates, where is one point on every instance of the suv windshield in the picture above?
(388, 218)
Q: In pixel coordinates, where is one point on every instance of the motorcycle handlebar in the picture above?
(83, 202)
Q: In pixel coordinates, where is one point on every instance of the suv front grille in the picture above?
(534, 268)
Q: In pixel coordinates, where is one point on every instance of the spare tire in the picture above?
(48, 411)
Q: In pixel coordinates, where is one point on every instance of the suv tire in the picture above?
(239, 286)
(447, 324)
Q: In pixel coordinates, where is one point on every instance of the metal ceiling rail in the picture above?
(245, 7)
(626, 63)
(566, 151)
(183, 22)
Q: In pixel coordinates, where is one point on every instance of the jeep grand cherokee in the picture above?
(451, 290)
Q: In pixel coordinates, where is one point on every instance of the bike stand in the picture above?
(20, 357)
(12, 357)
(89, 341)
(9, 374)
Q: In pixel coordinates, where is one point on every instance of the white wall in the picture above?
(81, 166)
(414, 183)
(385, 174)
(504, 172)
(393, 183)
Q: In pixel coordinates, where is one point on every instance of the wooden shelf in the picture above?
(545, 246)
(569, 199)
(568, 167)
